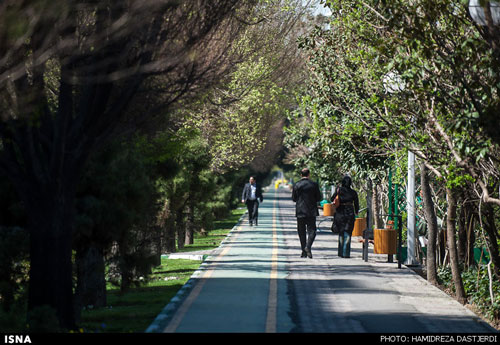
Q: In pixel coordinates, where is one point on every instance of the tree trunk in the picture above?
(51, 280)
(466, 236)
(432, 227)
(377, 220)
(91, 282)
(180, 226)
(370, 213)
(452, 246)
(441, 246)
(492, 239)
(126, 269)
(471, 239)
(462, 236)
(169, 233)
(166, 222)
(190, 224)
(157, 244)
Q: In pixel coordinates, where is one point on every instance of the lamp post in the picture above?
(393, 83)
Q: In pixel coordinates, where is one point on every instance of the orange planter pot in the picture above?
(328, 210)
(359, 226)
(385, 241)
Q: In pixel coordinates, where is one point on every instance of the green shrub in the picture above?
(14, 265)
(477, 288)
(43, 319)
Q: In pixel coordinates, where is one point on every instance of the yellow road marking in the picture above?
(273, 284)
(183, 309)
(272, 302)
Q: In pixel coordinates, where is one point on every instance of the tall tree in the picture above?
(392, 76)
(432, 227)
(69, 74)
(237, 116)
(116, 202)
(452, 244)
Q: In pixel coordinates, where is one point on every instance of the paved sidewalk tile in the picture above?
(334, 294)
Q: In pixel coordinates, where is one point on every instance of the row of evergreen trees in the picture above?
(135, 202)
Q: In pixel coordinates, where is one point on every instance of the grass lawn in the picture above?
(135, 310)
(214, 237)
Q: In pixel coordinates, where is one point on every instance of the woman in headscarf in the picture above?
(345, 215)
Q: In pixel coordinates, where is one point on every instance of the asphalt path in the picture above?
(256, 282)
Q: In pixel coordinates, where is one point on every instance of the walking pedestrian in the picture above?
(345, 215)
(306, 195)
(252, 195)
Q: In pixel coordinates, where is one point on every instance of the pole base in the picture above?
(412, 263)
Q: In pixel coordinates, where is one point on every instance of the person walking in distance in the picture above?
(306, 195)
(252, 195)
(345, 215)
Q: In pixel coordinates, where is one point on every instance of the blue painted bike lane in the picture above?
(240, 288)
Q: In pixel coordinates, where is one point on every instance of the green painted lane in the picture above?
(243, 288)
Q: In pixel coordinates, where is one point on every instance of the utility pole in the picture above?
(410, 207)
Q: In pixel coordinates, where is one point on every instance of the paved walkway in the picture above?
(256, 281)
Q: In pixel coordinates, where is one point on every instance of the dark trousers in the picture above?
(253, 211)
(344, 250)
(306, 227)
(344, 221)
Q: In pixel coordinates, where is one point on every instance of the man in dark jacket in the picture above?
(252, 194)
(306, 195)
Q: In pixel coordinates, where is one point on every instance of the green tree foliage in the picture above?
(13, 265)
(73, 75)
(194, 197)
(116, 206)
(237, 116)
(14, 258)
(442, 83)
(392, 76)
(108, 109)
